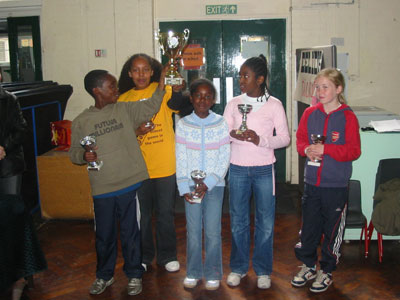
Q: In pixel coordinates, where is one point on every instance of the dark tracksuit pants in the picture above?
(108, 211)
(158, 195)
(324, 213)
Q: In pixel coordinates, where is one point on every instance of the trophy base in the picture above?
(95, 167)
(241, 129)
(314, 163)
(173, 80)
(196, 200)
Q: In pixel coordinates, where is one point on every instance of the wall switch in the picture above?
(100, 53)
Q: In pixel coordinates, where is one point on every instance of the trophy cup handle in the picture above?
(157, 36)
(186, 34)
(183, 44)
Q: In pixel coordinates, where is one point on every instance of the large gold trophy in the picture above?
(172, 44)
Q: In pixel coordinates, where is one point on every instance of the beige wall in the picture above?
(73, 29)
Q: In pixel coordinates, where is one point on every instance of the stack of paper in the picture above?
(386, 125)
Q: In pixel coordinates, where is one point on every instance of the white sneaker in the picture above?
(190, 282)
(18, 288)
(212, 285)
(172, 266)
(264, 282)
(234, 279)
(144, 267)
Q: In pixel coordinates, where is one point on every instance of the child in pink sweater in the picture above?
(251, 171)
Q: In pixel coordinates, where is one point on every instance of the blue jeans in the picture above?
(243, 181)
(208, 212)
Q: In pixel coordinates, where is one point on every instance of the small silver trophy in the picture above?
(317, 139)
(198, 177)
(244, 109)
(90, 142)
(149, 124)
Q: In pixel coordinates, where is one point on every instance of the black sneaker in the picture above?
(305, 274)
(322, 282)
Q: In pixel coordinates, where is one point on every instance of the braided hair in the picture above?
(258, 65)
(125, 83)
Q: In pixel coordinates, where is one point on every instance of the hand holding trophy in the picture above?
(316, 139)
(89, 143)
(198, 177)
(144, 128)
(244, 109)
(172, 44)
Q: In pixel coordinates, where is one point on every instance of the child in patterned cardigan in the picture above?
(202, 143)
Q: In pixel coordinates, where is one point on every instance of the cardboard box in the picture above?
(64, 187)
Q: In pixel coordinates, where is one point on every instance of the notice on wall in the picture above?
(193, 57)
(310, 65)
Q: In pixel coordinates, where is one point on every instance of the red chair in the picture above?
(387, 170)
(355, 217)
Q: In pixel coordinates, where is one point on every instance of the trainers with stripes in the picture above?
(322, 282)
(305, 274)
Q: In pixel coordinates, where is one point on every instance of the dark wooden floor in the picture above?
(69, 249)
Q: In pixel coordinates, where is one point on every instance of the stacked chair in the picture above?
(355, 217)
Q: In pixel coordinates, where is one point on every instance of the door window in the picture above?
(25, 52)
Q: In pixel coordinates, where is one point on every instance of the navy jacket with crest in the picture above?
(341, 147)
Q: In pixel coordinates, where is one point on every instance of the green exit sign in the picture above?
(227, 9)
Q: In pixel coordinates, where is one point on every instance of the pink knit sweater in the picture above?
(270, 116)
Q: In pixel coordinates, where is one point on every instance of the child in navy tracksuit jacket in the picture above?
(327, 172)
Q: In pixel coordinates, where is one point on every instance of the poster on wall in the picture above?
(310, 65)
(193, 57)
